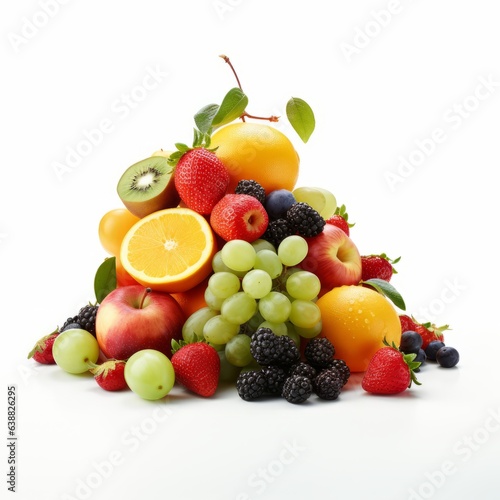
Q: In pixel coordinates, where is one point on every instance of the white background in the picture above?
(397, 86)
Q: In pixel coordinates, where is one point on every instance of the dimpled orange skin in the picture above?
(259, 152)
(355, 320)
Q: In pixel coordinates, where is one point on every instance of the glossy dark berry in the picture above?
(303, 369)
(297, 389)
(277, 230)
(319, 352)
(70, 326)
(411, 342)
(342, 367)
(328, 384)
(432, 349)
(251, 385)
(252, 188)
(85, 319)
(278, 202)
(270, 349)
(421, 358)
(304, 220)
(275, 379)
(447, 357)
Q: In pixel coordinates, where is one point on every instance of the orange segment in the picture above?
(169, 250)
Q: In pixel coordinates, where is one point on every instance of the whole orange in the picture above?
(259, 152)
(356, 320)
(113, 227)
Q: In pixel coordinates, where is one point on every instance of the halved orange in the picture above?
(170, 250)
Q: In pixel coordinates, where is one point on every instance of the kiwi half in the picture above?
(148, 186)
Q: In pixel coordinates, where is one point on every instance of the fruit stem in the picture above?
(148, 290)
(271, 118)
(226, 59)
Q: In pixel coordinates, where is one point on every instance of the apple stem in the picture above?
(148, 290)
(245, 114)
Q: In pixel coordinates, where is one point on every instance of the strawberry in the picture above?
(196, 367)
(200, 177)
(428, 331)
(239, 217)
(42, 351)
(340, 219)
(377, 266)
(390, 371)
(407, 323)
(110, 375)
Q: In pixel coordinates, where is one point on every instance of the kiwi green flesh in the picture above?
(145, 179)
(148, 186)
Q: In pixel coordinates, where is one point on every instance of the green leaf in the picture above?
(385, 288)
(105, 279)
(232, 107)
(301, 117)
(204, 117)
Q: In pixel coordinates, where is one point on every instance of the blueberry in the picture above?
(278, 202)
(70, 326)
(421, 358)
(432, 349)
(447, 357)
(411, 342)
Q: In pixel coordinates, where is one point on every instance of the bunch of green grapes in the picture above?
(253, 286)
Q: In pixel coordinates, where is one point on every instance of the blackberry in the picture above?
(275, 378)
(85, 319)
(304, 220)
(251, 385)
(303, 369)
(297, 389)
(328, 384)
(319, 352)
(270, 349)
(342, 368)
(277, 230)
(252, 188)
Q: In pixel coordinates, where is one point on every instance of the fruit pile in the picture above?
(221, 269)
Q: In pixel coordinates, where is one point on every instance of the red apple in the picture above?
(132, 318)
(333, 258)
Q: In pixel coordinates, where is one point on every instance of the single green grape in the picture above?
(303, 285)
(239, 308)
(238, 255)
(193, 326)
(238, 350)
(212, 301)
(218, 266)
(277, 328)
(305, 314)
(292, 250)
(224, 284)
(150, 374)
(275, 307)
(309, 333)
(257, 283)
(74, 350)
(219, 330)
(268, 261)
(261, 244)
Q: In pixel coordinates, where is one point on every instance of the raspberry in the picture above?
(319, 352)
(252, 188)
(304, 220)
(251, 385)
(328, 384)
(297, 389)
(277, 230)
